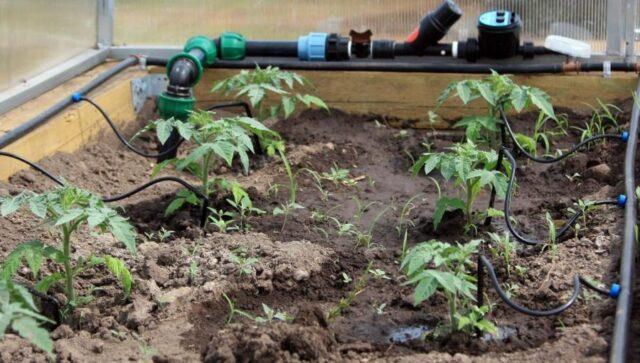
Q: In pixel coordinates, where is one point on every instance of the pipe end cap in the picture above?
(76, 97)
(622, 200)
(614, 291)
(624, 136)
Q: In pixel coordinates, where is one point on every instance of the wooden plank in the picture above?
(411, 96)
(75, 127)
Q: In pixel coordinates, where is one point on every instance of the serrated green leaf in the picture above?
(123, 231)
(29, 329)
(69, 216)
(424, 290)
(119, 269)
(164, 128)
(541, 100)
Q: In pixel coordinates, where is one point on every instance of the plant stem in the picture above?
(292, 179)
(68, 270)
(452, 310)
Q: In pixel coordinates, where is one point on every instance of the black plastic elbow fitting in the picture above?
(434, 26)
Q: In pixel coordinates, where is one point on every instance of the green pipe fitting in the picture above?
(178, 108)
(233, 46)
(190, 57)
(206, 45)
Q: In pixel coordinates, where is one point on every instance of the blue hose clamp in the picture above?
(312, 47)
(614, 291)
(622, 200)
(624, 136)
(76, 97)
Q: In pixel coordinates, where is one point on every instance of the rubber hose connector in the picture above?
(312, 47)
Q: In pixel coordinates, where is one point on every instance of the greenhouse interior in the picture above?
(319, 181)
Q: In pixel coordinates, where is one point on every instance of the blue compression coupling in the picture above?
(76, 97)
(312, 47)
(622, 200)
(614, 291)
(624, 136)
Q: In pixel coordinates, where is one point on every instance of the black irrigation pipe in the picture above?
(205, 201)
(170, 150)
(44, 116)
(507, 206)
(204, 212)
(549, 160)
(484, 263)
(423, 67)
(245, 106)
(618, 353)
(123, 140)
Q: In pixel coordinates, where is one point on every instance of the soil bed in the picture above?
(178, 315)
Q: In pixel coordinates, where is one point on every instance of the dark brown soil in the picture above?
(177, 315)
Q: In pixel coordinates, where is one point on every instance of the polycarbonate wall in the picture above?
(38, 34)
(173, 21)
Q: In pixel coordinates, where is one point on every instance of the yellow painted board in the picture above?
(412, 95)
(74, 127)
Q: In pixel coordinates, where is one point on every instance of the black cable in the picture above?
(124, 141)
(507, 206)
(550, 160)
(482, 260)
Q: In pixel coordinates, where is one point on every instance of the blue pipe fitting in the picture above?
(614, 291)
(76, 97)
(312, 47)
(624, 136)
(622, 200)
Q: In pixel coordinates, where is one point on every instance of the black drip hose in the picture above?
(507, 206)
(124, 141)
(550, 160)
(205, 202)
(244, 105)
(33, 165)
(484, 262)
(24, 128)
(628, 251)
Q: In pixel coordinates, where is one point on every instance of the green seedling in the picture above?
(502, 247)
(286, 210)
(270, 315)
(19, 313)
(67, 209)
(223, 220)
(344, 303)
(261, 85)
(217, 141)
(161, 236)
(243, 206)
(193, 263)
(380, 309)
(583, 207)
(437, 267)
(339, 176)
(244, 263)
(473, 170)
(497, 91)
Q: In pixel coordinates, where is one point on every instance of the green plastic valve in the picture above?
(233, 46)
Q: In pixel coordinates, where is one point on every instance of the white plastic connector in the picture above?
(571, 47)
(454, 49)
